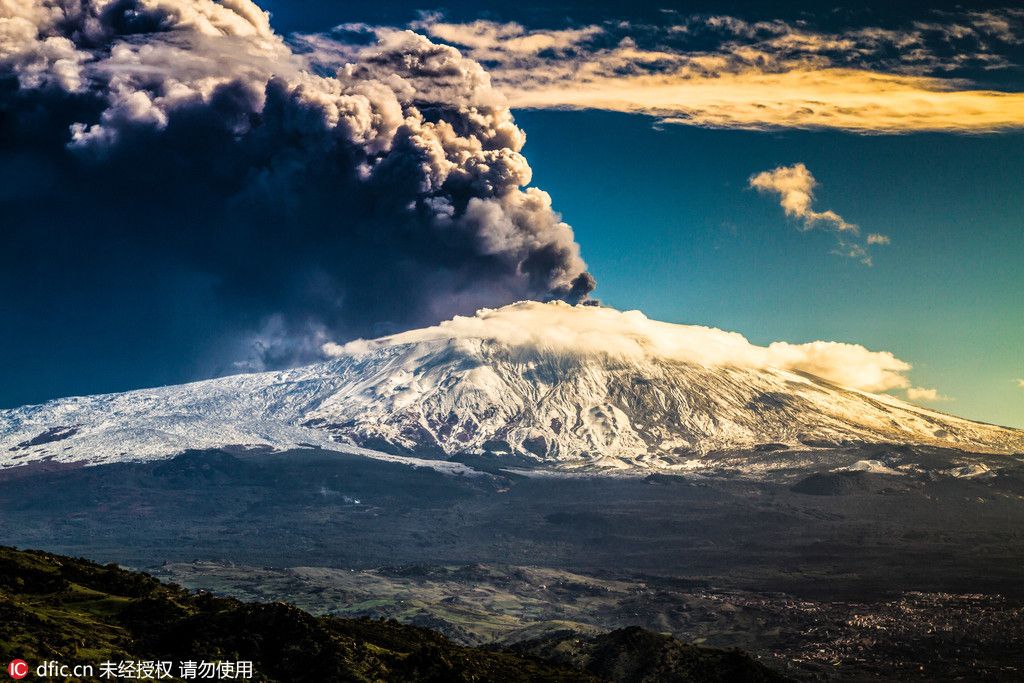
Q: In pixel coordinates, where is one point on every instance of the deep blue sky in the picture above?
(316, 15)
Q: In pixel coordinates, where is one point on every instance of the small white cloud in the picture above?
(333, 349)
(926, 395)
(853, 250)
(795, 187)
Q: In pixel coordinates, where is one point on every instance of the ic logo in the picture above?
(18, 668)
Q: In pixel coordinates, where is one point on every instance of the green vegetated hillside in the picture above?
(78, 612)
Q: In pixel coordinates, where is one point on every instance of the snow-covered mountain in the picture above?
(576, 387)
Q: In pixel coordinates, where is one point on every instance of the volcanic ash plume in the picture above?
(177, 157)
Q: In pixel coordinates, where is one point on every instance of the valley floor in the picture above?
(822, 574)
(920, 636)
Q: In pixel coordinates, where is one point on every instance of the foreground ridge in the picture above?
(69, 610)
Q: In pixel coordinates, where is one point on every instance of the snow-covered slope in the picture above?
(468, 389)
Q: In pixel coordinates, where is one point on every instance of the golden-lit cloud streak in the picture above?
(723, 72)
(847, 99)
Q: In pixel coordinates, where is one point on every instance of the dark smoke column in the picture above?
(182, 150)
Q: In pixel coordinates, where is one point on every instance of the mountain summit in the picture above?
(566, 386)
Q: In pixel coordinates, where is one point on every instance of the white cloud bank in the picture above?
(794, 186)
(560, 328)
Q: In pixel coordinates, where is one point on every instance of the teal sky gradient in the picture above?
(669, 226)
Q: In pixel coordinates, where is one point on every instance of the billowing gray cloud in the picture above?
(181, 155)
